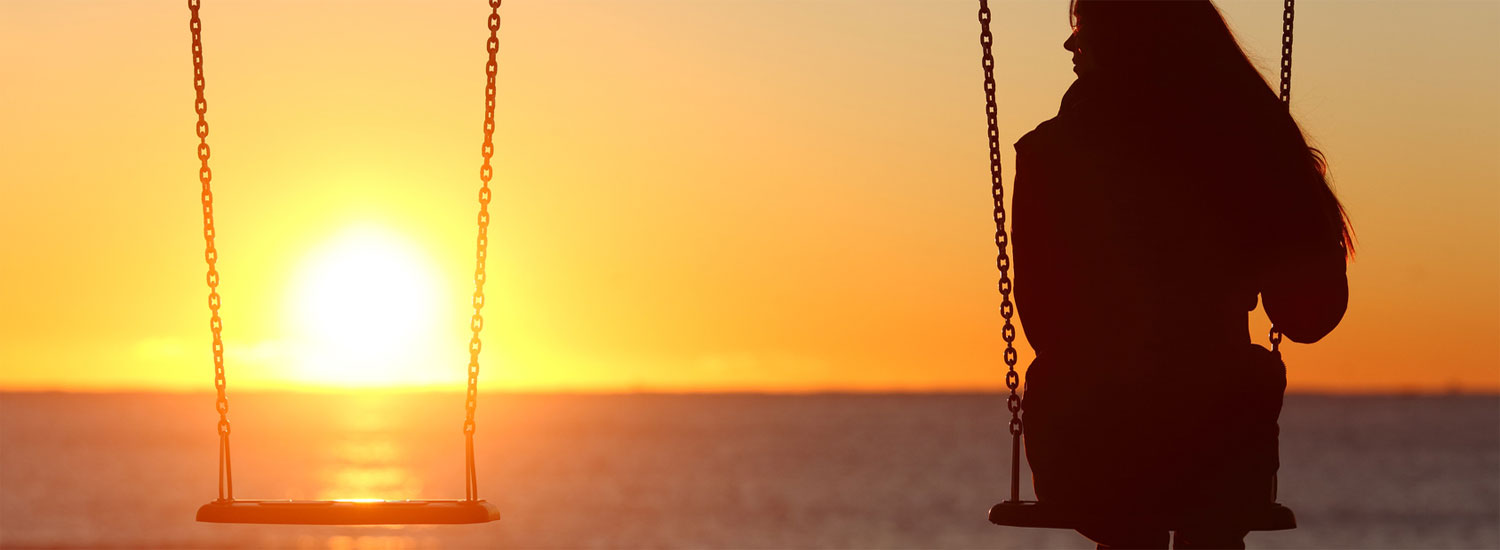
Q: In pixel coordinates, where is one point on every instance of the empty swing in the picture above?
(1015, 512)
(226, 508)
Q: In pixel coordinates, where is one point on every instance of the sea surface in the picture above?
(682, 471)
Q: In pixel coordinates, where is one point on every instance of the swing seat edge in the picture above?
(348, 512)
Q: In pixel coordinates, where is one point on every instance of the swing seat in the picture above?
(348, 512)
(1030, 513)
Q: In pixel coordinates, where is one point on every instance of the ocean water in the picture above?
(682, 471)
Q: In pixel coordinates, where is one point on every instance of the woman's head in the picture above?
(1182, 53)
(1156, 39)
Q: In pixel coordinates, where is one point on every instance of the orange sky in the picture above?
(689, 195)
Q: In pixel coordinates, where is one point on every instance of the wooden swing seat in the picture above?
(348, 512)
(1030, 513)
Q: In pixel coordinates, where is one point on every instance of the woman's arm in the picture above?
(1057, 259)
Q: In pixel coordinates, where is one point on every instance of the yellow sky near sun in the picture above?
(689, 194)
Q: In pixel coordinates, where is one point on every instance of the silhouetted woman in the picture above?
(1170, 191)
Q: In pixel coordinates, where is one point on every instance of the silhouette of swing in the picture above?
(1015, 512)
(227, 509)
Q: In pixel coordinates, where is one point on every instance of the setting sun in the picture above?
(363, 308)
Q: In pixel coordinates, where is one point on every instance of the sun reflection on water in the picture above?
(369, 464)
(371, 483)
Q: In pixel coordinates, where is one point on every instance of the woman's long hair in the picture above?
(1185, 49)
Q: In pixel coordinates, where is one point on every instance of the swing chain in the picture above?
(476, 323)
(1002, 238)
(211, 255)
(1287, 14)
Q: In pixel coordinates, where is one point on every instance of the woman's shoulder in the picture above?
(1093, 113)
(1051, 134)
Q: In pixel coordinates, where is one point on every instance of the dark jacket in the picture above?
(1145, 228)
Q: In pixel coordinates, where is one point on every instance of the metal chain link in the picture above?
(1002, 241)
(211, 254)
(476, 323)
(1287, 14)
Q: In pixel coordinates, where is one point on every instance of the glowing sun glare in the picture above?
(365, 308)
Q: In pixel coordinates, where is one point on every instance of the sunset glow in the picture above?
(782, 196)
(727, 274)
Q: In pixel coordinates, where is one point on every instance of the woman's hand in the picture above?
(1306, 295)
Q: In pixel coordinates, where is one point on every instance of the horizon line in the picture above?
(647, 391)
